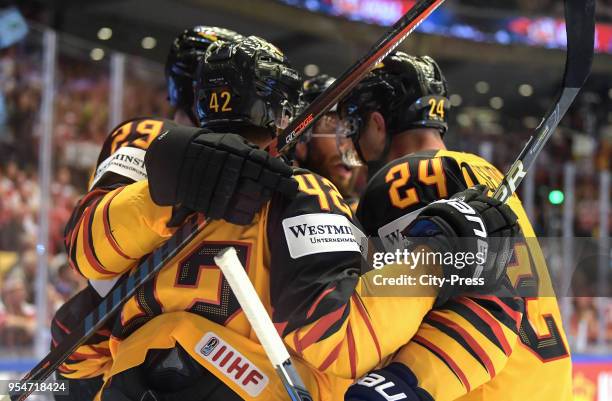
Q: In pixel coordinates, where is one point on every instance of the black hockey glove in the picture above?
(478, 233)
(222, 176)
(393, 382)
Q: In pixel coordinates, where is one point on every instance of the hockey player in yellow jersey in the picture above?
(397, 117)
(120, 163)
(318, 149)
(300, 252)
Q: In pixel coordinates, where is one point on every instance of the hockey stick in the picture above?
(109, 305)
(580, 28)
(580, 42)
(243, 289)
(347, 81)
(161, 256)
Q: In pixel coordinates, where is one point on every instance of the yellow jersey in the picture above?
(302, 255)
(474, 348)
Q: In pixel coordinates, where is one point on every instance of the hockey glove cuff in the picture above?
(222, 176)
(394, 382)
(470, 222)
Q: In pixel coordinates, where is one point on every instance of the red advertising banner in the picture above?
(550, 32)
(592, 379)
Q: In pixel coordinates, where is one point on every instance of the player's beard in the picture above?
(332, 168)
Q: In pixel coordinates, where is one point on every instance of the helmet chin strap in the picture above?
(191, 116)
(375, 164)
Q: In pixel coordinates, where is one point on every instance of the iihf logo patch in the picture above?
(231, 364)
(209, 346)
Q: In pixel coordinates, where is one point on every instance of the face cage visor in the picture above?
(348, 132)
(274, 83)
(284, 114)
(330, 126)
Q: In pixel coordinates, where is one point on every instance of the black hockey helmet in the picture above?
(182, 62)
(410, 92)
(313, 87)
(248, 82)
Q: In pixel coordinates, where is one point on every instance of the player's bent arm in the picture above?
(365, 331)
(115, 229)
(462, 345)
(315, 286)
(117, 207)
(458, 348)
(469, 340)
(437, 225)
(120, 163)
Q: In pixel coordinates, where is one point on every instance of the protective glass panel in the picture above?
(21, 81)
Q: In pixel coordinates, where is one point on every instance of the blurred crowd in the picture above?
(81, 122)
(19, 208)
(590, 155)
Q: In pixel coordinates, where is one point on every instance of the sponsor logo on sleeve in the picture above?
(319, 233)
(210, 346)
(126, 161)
(232, 364)
(391, 233)
(362, 240)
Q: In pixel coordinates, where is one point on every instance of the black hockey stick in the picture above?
(347, 81)
(109, 306)
(189, 230)
(580, 28)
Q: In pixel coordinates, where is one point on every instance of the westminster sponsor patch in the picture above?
(126, 161)
(391, 233)
(319, 233)
(232, 364)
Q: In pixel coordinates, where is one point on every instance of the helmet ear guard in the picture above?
(427, 112)
(420, 93)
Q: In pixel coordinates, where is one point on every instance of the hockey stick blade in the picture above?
(580, 28)
(347, 81)
(256, 313)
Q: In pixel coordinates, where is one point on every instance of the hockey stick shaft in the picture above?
(111, 304)
(580, 28)
(161, 256)
(347, 81)
(227, 259)
(256, 313)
